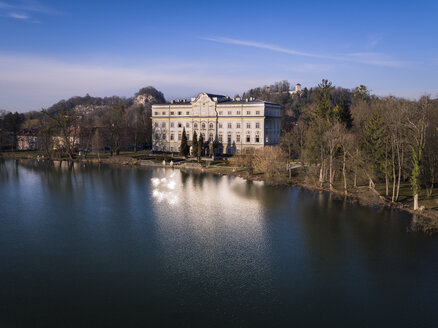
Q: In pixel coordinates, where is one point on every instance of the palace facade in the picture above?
(228, 125)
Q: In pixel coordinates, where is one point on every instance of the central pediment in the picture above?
(205, 104)
(205, 98)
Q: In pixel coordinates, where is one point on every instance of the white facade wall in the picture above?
(236, 125)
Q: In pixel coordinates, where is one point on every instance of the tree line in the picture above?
(85, 124)
(346, 137)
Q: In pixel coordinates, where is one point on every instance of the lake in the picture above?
(90, 245)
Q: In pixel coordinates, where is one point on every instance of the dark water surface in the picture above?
(84, 245)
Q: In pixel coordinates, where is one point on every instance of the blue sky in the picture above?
(50, 50)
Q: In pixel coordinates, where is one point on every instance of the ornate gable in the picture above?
(203, 105)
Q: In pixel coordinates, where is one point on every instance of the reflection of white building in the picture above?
(232, 125)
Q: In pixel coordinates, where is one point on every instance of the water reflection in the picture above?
(192, 248)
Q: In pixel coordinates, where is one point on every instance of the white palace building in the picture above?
(228, 125)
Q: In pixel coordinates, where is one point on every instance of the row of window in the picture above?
(248, 112)
(211, 125)
(210, 137)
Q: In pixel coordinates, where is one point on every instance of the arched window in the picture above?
(195, 125)
(210, 137)
(203, 125)
(211, 125)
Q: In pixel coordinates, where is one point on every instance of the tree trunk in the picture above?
(400, 162)
(331, 171)
(355, 168)
(135, 142)
(386, 171)
(321, 170)
(88, 145)
(393, 175)
(344, 173)
(416, 202)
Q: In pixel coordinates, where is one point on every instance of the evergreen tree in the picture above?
(324, 100)
(200, 146)
(195, 144)
(343, 114)
(184, 149)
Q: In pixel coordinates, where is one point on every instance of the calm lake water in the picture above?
(87, 245)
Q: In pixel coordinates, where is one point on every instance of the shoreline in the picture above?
(365, 197)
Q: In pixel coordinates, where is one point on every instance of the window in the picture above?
(248, 138)
(180, 125)
(238, 112)
(248, 125)
(187, 113)
(172, 113)
(203, 126)
(238, 125)
(163, 125)
(248, 112)
(211, 125)
(257, 138)
(156, 124)
(179, 136)
(171, 125)
(220, 112)
(229, 138)
(238, 138)
(179, 113)
(220, 125)
(210, 137)
(220, 137)
(230, 112)
(171, 137)
(195, 125)
(229, 126)
(156, 113)
(257, 125)
(257, 112)
(164, 113)
(164, 136)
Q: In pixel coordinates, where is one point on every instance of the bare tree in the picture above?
(417, 123)
(66, 123)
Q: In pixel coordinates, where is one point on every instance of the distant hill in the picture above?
(87, 104)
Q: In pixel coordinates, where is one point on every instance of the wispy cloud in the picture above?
(44, 80)
(29, 5)
(262, 46)
(363, 58)
(18, 16)
(25, 9)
